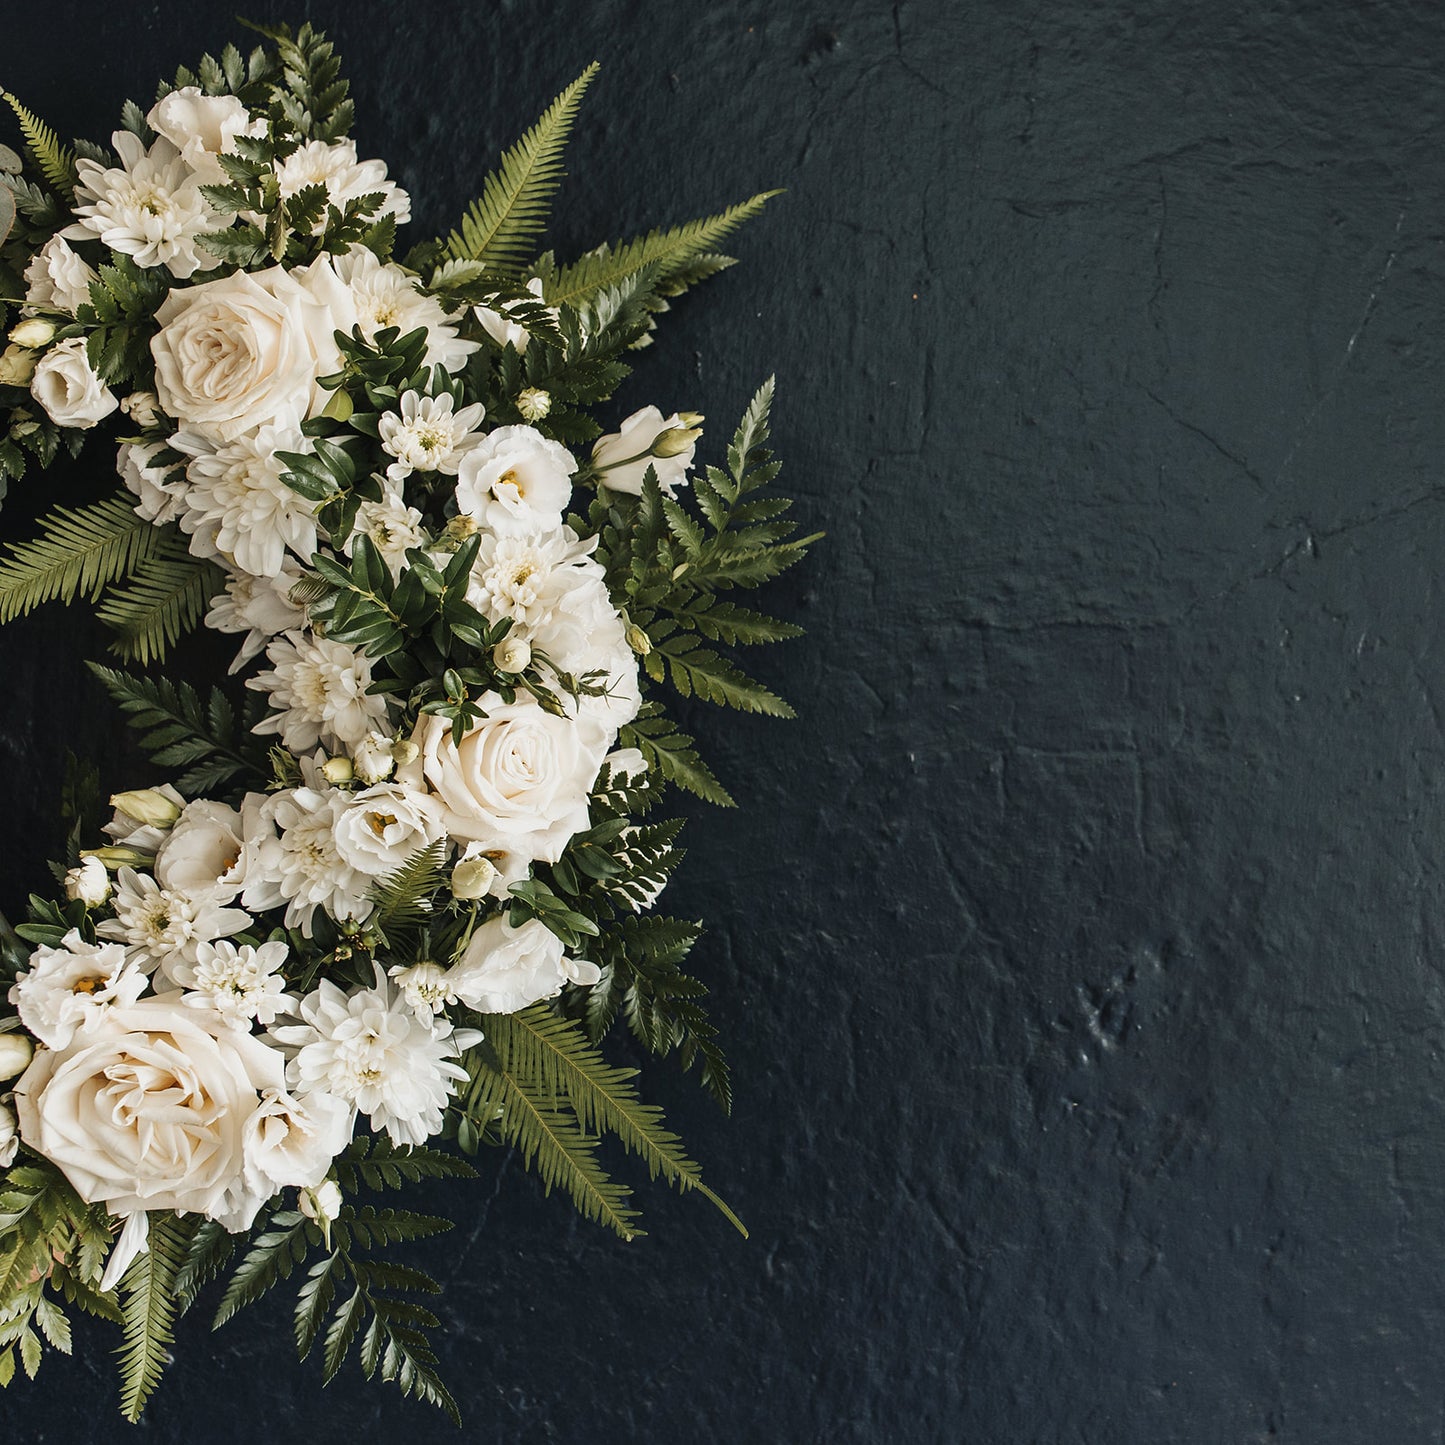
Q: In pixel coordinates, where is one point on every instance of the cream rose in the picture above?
(520, 779)
(234, 354)
(150, 1108)
(503, 969)
(69, 390)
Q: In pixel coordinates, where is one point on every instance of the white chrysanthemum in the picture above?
(161, 491)
(261, 607)
(385, 295)
(393, 527)
(236, 490)
(291, 857)
(242, 983)
(149, 207)
(319, 690)
(70, 988)
(527, 576)
(166, 925)
(336, 167)
(426, 989)
(57, 279)
(427, 436)
(371, 1050)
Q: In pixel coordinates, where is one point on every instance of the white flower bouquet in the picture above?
(387, 908)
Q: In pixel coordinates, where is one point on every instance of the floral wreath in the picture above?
(396, 893)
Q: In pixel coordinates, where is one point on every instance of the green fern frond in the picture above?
(167, 597)
(671, 251)
(149, 1311)
(554, 1054)
(403, 898)
(79, 551)
(57, 164)
(501, 226)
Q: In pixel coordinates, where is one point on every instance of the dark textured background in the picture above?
(1079, 951)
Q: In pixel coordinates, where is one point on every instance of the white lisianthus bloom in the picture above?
(9, 1136)
(384, 295)
(241, 983)
(499, 324)
(57, 279)
(72, 987)
(519, 781)
(394, 528)
(380, 828)
(160, 490)
(290, 1142)
(88, 883)
(236, 491)
(137, 833)
(425, 989)
(336, 167)
(322, 1202)
(203, 127)
(291, 857)
(203, 852)
(319, 690)
(261, 607)
(425, 435)
(242, 351)
(148, 1109)
(623, 457)
(166, 925)
(369, 1049)
(373, 759)
(69, 390)
(516, 480)
(150, 207)
(503, 969)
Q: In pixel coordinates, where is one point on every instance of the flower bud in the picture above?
(88, 883)
(142, 407)
(534, 403)
(511, 654)
(32, 334)
(675, 441)
(321, 1203)
(456, 531)
(9, 1136)
(15, 1052)
(17, 366)
(405, 751)
(338, 771)
(373, 758)
(691, 418)
(118, 856)
(147, 806)
(472, 878)
(638, 640)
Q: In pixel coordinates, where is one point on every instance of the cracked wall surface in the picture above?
(1079, 953)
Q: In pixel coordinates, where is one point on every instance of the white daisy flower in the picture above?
(261, 607)
(336, 167)
(426, 989)
(393, 527)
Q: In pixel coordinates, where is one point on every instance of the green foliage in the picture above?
(56, 163)
(167, 596)
(79, 551)
(308, 90)
(671, 752)
(501, 226)
(149, 1310)
(375, 1162)
(52, 1245)
(120, 316)
(178, 731)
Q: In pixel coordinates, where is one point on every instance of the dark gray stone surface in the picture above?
(1079, 952)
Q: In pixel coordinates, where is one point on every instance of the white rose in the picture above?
(9, 1139)
(57, 278)
(516, 480)
(69, 390)
(149, 1110)
(520, 779)
(234, 354)
(623, 457)
(382, 827)
(203, 852)
(503, 969)
(202, 127)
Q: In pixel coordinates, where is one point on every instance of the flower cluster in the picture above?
(401, 903)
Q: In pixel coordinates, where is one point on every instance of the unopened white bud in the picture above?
(323, 1203)
(142, 407)
(511, 654)
(17, 366)
(372, 758)
(15, 1053)
(34, 333)
(88, 883)
(472, 878)
(117, 856)
(338, 771)
(405, 751)
(675, 441)
(147, 806)
(534, 403)
(638, 640)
